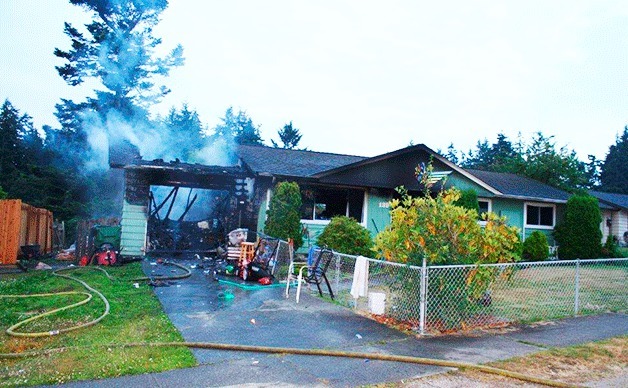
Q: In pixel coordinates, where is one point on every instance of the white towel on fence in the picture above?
(360, 285)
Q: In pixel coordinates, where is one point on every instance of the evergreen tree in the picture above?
(284, 213)
(614, 174)
(501, 156)
(11, 150)
(185, 131)
(539, 160)
(579, 235)
(560, 169)
(238, 128)
(452, 154)
(289, 136)
(118, 49)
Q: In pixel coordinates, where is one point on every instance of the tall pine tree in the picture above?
(118, 50)
(614, 174)
(289, 136)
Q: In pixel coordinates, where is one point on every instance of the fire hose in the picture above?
(12, 330)
(231, 347)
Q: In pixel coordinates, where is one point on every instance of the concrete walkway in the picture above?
(265, 317)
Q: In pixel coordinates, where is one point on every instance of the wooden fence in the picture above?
(22, 224)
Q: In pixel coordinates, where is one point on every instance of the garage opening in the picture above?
(186, 219)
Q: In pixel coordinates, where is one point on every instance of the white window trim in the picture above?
(365, 209)
(315, 222)
(490, 209)
(539, 204)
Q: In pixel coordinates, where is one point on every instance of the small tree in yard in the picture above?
(346, 235)
(535, 247)
(436, 229)
(579, 235)
(283, 215)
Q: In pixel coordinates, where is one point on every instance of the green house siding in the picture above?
(133, 235)
(461, 182)
(311, 231)
(378, 211)
(261, 215)
(511, 209)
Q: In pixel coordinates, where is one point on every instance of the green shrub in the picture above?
(346, 235)
(284, 213)
(579, 236)
(468, 200)
(535, 247)
(611, 248)
(3, 193)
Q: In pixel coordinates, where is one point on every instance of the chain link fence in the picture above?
(465, 296)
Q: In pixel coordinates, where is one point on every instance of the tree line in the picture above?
(541, 159)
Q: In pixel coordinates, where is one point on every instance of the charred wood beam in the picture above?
(152, 204)
(174, 198)
(188, 207)
(158, 208)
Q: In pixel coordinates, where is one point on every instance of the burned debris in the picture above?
(190, 206)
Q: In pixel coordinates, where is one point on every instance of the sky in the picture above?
(365, 77)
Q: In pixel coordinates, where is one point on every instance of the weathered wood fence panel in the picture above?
(10, 225)
(22, 224)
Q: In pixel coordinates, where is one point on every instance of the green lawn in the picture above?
(135, 316)
(549, 292)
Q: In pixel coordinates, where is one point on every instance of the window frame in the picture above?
(317, 221)
(539, 205)
(490, 209)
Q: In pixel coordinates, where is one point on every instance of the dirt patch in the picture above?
(602, 363)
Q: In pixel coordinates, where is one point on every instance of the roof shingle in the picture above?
(296, 163)
(617, 200)
(519, 186)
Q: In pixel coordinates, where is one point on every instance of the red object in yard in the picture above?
(105, 255)
(265, 281)
(84, 261)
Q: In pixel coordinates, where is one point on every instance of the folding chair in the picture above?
(294, 263)
(316, 272)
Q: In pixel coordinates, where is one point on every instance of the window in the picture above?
(540, 215)
(485, 206)
(322, 204)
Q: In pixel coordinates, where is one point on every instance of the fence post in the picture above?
(423, 297)
(577, 293)
(337, 271)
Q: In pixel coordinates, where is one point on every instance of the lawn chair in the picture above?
(315, 273)
(296, 263)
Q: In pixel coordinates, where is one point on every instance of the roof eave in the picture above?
(533, 199)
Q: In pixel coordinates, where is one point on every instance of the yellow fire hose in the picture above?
(235, 347)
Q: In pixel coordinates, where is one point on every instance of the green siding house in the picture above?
(359, 187)
(336, 184)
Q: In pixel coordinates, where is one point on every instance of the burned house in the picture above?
(331, 185)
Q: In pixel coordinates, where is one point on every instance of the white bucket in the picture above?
(377, 303)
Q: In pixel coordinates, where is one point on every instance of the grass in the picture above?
(541, 293)
(135, 316)
(528, 294)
